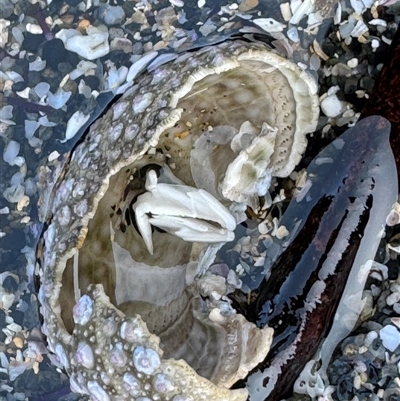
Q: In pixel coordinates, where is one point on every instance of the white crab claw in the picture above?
(193, 230)
(183, 211)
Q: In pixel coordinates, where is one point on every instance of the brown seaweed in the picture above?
(333, 226)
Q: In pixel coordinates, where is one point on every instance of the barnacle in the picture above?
(125, 322)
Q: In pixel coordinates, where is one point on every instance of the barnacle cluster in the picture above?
(159, 184)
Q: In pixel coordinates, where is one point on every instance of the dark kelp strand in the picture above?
(333, 225)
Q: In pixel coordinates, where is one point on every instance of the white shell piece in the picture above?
(91, 46)
(331, 106)
(77, 120)
(136, 68)
(269, 24)
(305, 8)
(11, 151)
(390, 337)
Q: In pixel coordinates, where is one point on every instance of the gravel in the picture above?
(61, 64)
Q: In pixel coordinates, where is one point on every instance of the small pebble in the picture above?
(375, 43)
(352, 63)
(331, 106)
(390, 337)
(370, 337)
(34, 28)
(59, 99)
(111, 15)
(393, 298)
(37, 65)
(42, 89)
(247, 5)
(19, 343)
(6, 8)
(11, 152)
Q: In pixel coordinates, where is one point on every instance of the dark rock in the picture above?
(6, 8)
(344, 389)
(2, 324)
(329, 47)
(43, 382)
(55, 53)
(92, 81)
(393, 269)
(350, 85)
(32, 42)
(367, 83)
(34, 77)
(19, 86)
(337, 369)
(21, 67)
(18, 317)
(73, 2)
(31, 316)
(10, 284)
(65, 67)
(53, 78)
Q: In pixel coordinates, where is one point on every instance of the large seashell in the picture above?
(133, 323)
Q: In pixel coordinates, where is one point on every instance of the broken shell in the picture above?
(141, 328)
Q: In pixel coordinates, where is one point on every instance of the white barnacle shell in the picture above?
(97, 393)
(83, 310)
(61, 355)
(142, 103)
(131, 331)
(146, 360)
(196, 123)
(162, 384)
(84, 355)
(118, 357)
(109, 327)
(106, 379)
(76, 385)
(131, 384)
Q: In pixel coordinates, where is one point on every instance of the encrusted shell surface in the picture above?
(113, 356)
